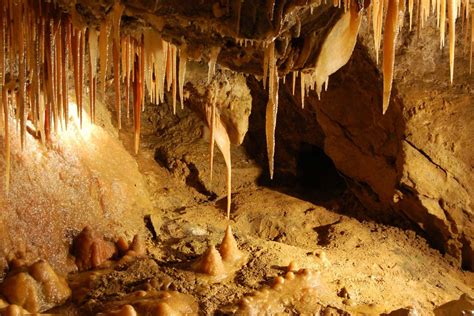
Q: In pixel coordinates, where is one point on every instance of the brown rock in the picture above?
(462, 306)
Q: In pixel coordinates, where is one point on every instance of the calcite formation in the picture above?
(220, 264)
(296, 291)
(36, 288)
(159, 303)
(91, 250)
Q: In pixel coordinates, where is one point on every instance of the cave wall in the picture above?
(416, 159)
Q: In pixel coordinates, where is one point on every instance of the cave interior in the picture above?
(236, 157)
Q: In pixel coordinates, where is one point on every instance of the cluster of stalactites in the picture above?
(35, 64)
(383, 15)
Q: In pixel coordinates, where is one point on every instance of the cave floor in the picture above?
(366, 267)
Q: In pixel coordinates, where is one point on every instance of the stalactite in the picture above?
(378, 23)
(293, 85)
(103, 52)
(116, 60)
(472, 41)
(212, 134)
(272, 108)
(390, 38)
(142, 73)
(452, 11)
(214, 53)
(442, 21)
(127, 76)
(75, 47)
(238, 8)
(182, 74)
(223, 142)
(116, 18)
(93, 48)
(302, 87)
(174, 82)
(266, 58)
(137, 97)
(64, 83)
(81, 73)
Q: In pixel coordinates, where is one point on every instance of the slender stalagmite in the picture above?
(390, 38)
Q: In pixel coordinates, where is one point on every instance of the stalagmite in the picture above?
(228, 249)
(452, 12)
(390, 38)
(210, 263)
